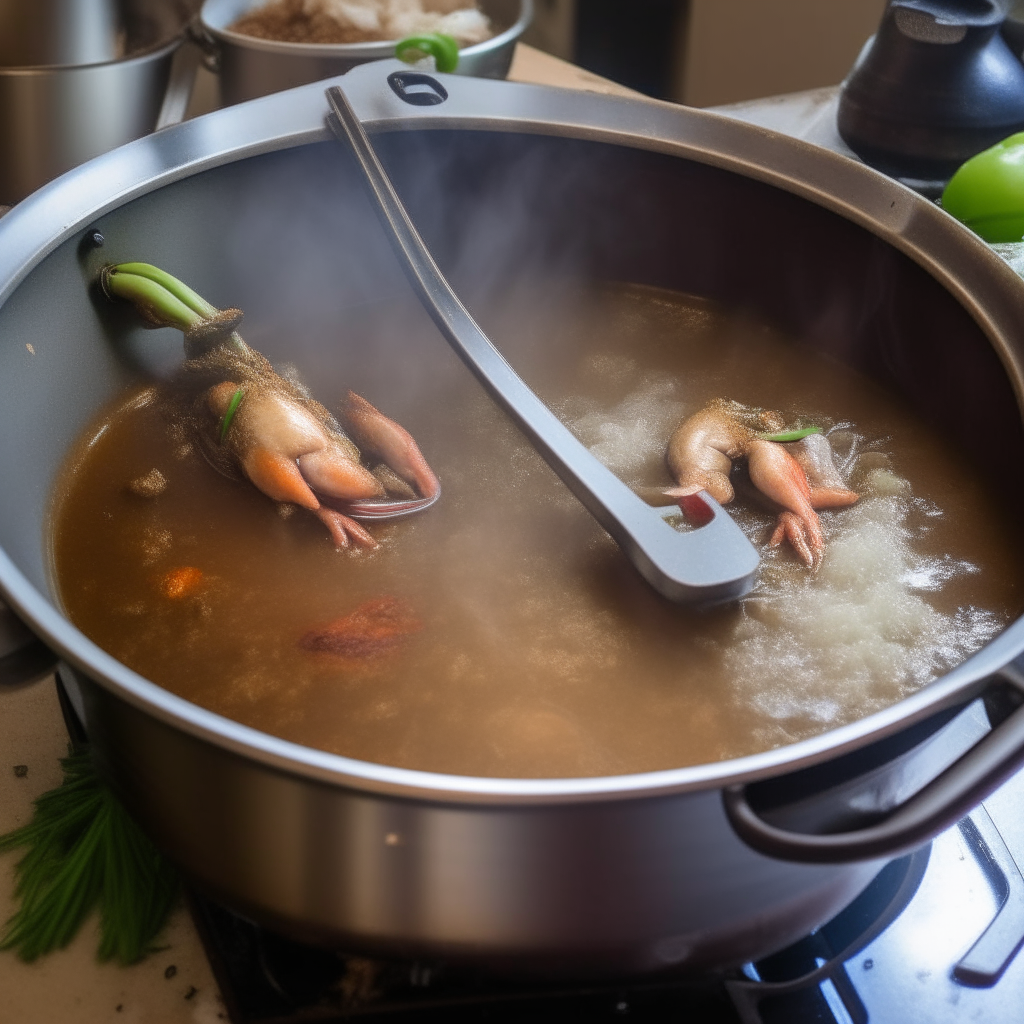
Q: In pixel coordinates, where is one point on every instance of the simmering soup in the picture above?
(501, 632)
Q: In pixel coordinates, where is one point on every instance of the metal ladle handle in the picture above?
(712, 564)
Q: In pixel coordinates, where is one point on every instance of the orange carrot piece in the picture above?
(181, 582)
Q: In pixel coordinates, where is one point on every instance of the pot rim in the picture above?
(159, 49)
(379, 50)
(989, 291)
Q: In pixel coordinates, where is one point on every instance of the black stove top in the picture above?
(932, 940)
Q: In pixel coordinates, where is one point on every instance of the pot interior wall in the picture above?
(290, 238)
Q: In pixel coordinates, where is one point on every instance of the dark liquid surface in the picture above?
(541, 652)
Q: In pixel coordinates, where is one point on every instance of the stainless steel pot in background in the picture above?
(250, 67)
(58, 32)
(693, 867)
(130, 77)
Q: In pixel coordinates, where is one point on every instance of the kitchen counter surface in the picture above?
(170, 986)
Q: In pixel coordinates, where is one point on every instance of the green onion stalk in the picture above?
(83, 852)
(164, 301)
(229, 415)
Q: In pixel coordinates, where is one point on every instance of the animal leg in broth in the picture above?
(775, 473)
(701, 453)
(251, 422)
(701, 450)
(289, 454)
(827, 487)
(393, 445)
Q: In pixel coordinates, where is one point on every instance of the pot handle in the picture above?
(933, 809)
(207, 43)
(184, 65)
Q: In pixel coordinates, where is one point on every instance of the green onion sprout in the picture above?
(178, 289)
(444, 49)
(236, 401)
(164, 301)
(791, 435)
(157, 302)
(84, 850)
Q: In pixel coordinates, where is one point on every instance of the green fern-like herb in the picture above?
(83, 851)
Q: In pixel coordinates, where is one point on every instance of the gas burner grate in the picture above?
(808, 981)
(941, 950)
(933, 939)
(267, 979)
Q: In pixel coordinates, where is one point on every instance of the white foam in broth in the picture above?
(829, 646)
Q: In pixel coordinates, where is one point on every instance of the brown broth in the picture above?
(541, 651)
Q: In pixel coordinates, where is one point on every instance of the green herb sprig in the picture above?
(84, 850)
(236, 401)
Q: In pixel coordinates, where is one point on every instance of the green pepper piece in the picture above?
(236, 401)
(444, 49)
(987, 192)
(791, 435)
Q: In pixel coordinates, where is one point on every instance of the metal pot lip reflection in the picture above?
(216, 15)
(136, 31)
(156, 50)
(978, 279)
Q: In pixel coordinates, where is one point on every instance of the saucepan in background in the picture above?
(248, 67)
(80, 77)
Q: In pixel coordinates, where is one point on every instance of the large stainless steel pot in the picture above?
(693, 867)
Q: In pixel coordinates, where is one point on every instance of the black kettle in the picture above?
(935, 86)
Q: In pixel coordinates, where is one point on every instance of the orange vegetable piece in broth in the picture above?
(374, 628)
(181, 582)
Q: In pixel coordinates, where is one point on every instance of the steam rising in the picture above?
(632, 433)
